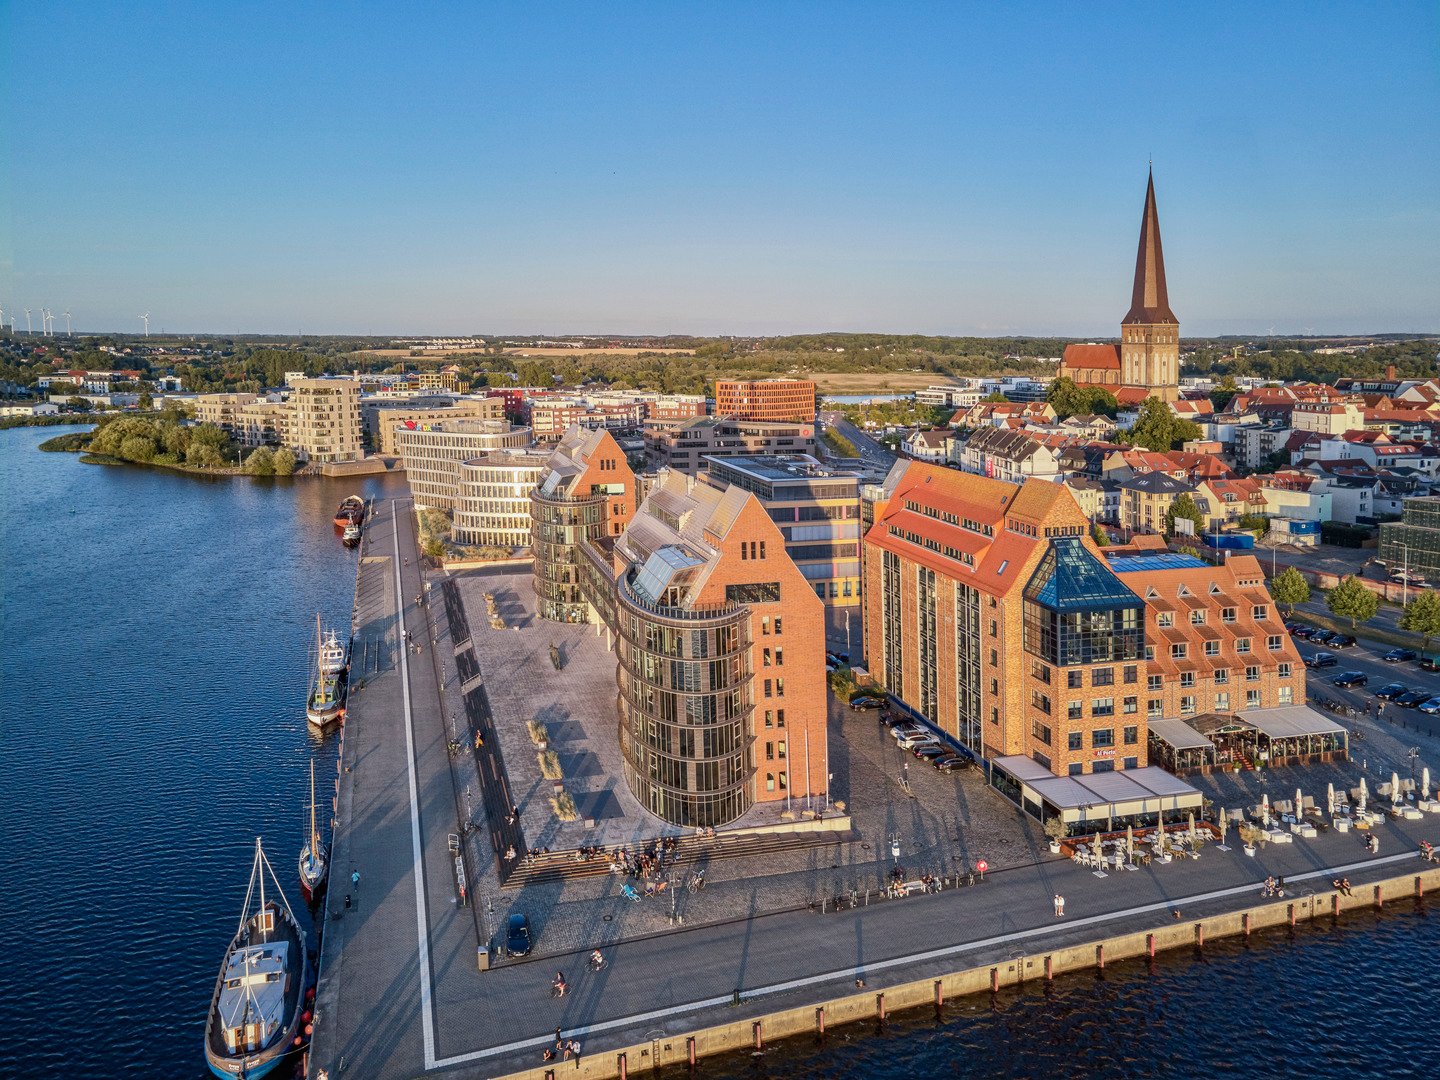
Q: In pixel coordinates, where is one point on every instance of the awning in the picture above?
(1290, 722)
(1119, 793)
(1179, 735)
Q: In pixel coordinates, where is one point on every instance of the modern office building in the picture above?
(432, 452)
(773, 400)
(383, 417)
(816, 509)
(322, 420)
(1413, 543)
(720, 648)
(685, 447)
(587, 491)
(492, 500)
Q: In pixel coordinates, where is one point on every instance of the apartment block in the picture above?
(322, 422)
(381, 418)
(773, 400)
(492, 498)
(686, 447)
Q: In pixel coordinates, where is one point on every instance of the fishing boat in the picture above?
(327, 694)
(350, 512)
(255, 1011)
(351, 536)
(314, 859)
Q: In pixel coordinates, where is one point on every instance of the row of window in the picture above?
(1221, 676)
(1259, 613)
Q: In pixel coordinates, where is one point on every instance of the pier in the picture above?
(404, 993)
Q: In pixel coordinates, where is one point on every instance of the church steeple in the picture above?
(1149, 300)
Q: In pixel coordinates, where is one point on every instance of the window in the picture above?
(1187, 704)
(1076, 710)
(779, 687)
(1222, 701)
(1074, 679)
(1287, 695)
(1284, 671)
(1102, 737)
(1149, 652)
(1040, 671)
(1131, 705)
(1132, 763)
(994, 686)
(1197, 617)
(1273, 643)
(1040, 731)
(994, 628)
(777, 624)
(765, 625)
(1104, 706)
(779, 717)
(1164, 618)
(1227, 614)
(1102, 677)
(769, 781)
(1260, 612)
(779, 657)
(1154, 708)
(1077, 741)
(1187, 678)
(783, 783)
(1222, 676)
(1153, 683)
(765, 657)
(1252, 699)
(1103, 766)
(768, 689)
(1179, 651)
(1076, 769)
(994, 658)
(769, 751)
(769, 718)
(1252, 674)
(756, 592)
(1242, 645)
(1132, 735)
(1212, 648)
(780, 748)
(1132, 674)
(1040, 701)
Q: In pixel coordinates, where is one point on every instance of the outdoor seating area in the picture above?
(1138, 848)
(1285, 735)
(1103, 802)
(1281, 820)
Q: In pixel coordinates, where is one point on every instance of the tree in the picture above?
(433, 547)
(996, 397)
(1157, 428)
(1422, 616)
(285, 462)
(147, 401)
(1069, 398)
(1352, 600)
(1225, 391)
(1099, 535)
(261, 462)
(1183, 507)
(1289, 588)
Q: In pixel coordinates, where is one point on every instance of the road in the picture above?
(871, 452)
(1365, 658)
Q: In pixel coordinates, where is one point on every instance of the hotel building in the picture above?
(773, 400)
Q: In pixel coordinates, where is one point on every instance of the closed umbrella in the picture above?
(1190, 824)
(1299, 805)
(1425, 782)
(1364, 795)
(1221, 823)
(1330, 799)
(1265, 811)
(1394, 788)
(1129, 841)
(1098, 849)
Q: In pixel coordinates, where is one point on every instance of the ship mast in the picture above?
(313, 837)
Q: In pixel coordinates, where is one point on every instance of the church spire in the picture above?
(1149, 302)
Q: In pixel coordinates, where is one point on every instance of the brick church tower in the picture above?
(1150, 333)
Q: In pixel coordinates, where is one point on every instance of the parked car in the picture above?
(1322, 637)
(1399, 656)
(1341, 641)
(931, 753)
(1411, 698)
(1321, 659)
(861, 703)
(1303, 631)
(517, 936)
(951, 763)
(1390, 691)
(838, 659)
(901, 732)
(1430, 663)
(917, 739)
(1431, 706)
(1351, 678)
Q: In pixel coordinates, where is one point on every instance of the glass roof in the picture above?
(664, 566)
(1069, 578)
(1124, 563)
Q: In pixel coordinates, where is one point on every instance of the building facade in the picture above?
(1413, 543)
(322, 420)
(431, 452)
(685, 447)
(492, 499)
(816, 509)
(772, 400)
(587, 491)
(383, 418)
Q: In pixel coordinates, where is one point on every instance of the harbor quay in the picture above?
(413, 977)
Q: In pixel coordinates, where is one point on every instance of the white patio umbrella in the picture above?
(1099, 851)
(1299, 805)
(1330, 799)
(1394, 788)
(1129, 841)
(1190, 824)
(1425, 782)
(1364, 795)
(1221, 823)
(1265, 811)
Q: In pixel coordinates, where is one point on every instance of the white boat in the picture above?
(327, 693)
(332, 653)
(314, 865)
(256, 1007)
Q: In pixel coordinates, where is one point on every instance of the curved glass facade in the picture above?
(558, 525)
(685, 717)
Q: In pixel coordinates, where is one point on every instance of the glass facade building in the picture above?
(1078, 612)
(1413, 543)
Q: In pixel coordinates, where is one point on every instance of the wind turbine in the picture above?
(28, 328)
(68, 331)
(47, 322)
(146, 319)
(2, 317)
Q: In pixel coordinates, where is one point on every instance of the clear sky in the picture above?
(718, 168)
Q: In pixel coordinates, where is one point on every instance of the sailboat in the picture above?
(327, 695)
(314, 859)
(257, 1004)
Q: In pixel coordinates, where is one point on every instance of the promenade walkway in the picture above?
(400, 995)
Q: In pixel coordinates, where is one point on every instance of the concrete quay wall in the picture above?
(816, 1019)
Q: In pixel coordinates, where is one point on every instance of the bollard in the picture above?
(994, 979)
(1200, 935)
(1419, 886)
(1379, 900)
(1049, 968)
(1150, 945)
(1335, 905)
(1100, 957)
(939, 993)
(880, 1007)
(819, 1021)
(690, 1050)
(1290, 910)
(1245, 923)
(549, 1074)
(759, 1035)
(621, 1069)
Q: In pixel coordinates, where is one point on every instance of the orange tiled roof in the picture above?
(1092, 357)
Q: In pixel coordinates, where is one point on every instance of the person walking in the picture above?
(1059, 905)
(355, 880)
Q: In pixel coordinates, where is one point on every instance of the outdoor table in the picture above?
(1342, 824)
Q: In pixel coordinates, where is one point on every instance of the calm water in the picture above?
(154, 667)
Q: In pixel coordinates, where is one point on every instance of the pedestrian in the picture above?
(1059, 905)
(355, 880)
(1345, 885)
(558, 1041)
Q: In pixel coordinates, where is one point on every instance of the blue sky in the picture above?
(718, 168)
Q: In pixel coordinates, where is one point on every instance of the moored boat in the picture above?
(326, 702)
(314, 865)
(350, 512)
(256, 1007)
(351, 537)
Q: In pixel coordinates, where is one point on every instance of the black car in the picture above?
(1430, 663)
(1399, 656)
(517, 937)
(1341, 641)
(1322, 637)
(1351, 678)
(1390, 691)
(1321, 659)
(1411, 698)
(1303, 631)
(860, 703)
(933, 753)
(951, 762)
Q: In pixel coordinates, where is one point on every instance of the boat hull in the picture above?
(312, 882)
(259, 1063)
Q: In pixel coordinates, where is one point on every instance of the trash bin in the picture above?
(482, 958)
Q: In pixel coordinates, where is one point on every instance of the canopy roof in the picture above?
(1180, 735)
(1100, 791)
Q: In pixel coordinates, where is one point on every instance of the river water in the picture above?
(155, 632)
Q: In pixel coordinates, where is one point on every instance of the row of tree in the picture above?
(1351, 599)
(162, 440)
